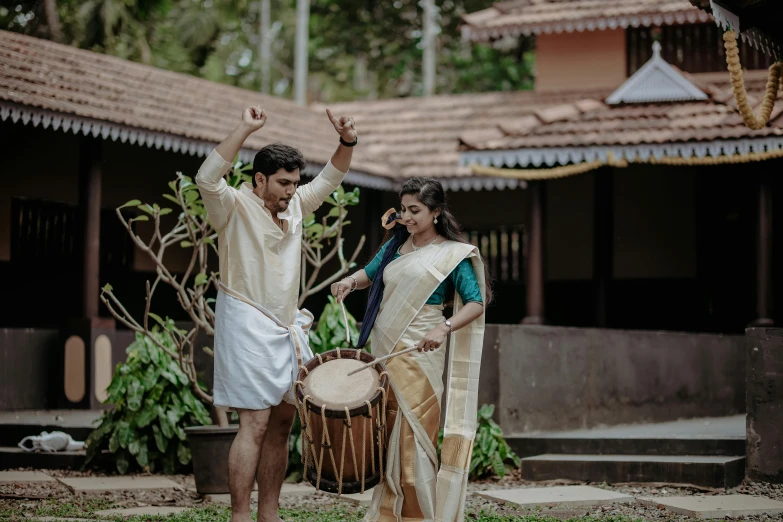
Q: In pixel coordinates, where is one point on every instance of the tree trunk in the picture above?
(220, 416)
(300, 58)
(428, 37)
(53, 21)
(265, 45)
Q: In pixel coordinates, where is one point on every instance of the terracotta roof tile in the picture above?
(421, 135)
(555, 16)
(58, 78)
(636, 124)
(558, 113)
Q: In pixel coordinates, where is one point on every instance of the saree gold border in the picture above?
(416, 390)
(456, 452)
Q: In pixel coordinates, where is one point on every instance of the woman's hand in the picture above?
(434, 338)
(341, 288)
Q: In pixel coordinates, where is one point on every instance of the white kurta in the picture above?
(260, 265)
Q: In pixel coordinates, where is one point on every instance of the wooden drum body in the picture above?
(343, 417)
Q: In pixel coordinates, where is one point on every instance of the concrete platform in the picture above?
(147, 510)
(709, 471)
(716, 427)
(572, 496)
(13, 477)
(703, 436)
(288, 490)
(57, 418)
(360, 499)
(716, 506)
(99, 484)
(12, 457)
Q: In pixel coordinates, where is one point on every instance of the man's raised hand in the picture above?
(344, 125)
(253, 118)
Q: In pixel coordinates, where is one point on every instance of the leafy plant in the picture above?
(153, 402)
(490, 449)
(330, 333)
(329, 231)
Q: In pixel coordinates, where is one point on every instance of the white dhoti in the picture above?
(257, 357)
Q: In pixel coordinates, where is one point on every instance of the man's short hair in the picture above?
(277, 156)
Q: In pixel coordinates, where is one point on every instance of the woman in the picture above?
(413, 275)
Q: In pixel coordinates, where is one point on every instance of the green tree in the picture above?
(358, 50)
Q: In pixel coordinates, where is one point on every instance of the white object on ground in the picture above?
(54, 441)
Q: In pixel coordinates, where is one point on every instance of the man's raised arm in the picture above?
(314, 193)
(217, 197)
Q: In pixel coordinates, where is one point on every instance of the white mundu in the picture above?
(259, 332)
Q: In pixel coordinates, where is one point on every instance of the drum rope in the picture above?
(372, 437)
(327, 444)
(353, 447)
(381, 427)
(342, 460)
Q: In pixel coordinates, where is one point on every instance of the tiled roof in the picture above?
(592, 123)
(62, 81)
(516, 17)
(421, 135)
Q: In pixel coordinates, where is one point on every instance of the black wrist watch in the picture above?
(349, 144)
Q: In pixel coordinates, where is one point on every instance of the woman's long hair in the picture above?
(430, 192)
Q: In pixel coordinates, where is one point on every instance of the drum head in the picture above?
(330, 384)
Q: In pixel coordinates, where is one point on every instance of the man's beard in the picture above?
(281, 205)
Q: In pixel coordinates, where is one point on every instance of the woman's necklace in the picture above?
(413, 242)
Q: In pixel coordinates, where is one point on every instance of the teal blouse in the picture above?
(463, 278)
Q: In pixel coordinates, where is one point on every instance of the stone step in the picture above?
(16, 425)
(529, 445)
(12, 457)
(11, 434)
(698, 470)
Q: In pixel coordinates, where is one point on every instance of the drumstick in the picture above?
(385, 358)
(345, 319)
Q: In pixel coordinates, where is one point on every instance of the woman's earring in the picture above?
(436, 220)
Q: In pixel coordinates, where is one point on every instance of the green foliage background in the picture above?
(357, 50)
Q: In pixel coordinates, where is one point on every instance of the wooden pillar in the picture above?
(535, 253)
(90, 211)
(764, 254)
(603, 242)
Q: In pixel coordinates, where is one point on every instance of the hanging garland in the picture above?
(752, 121)
(551, 173)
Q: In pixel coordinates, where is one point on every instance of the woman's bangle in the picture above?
(355, 283)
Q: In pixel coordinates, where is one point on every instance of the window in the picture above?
(501, 249)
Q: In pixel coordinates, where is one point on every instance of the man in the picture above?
(259, 334)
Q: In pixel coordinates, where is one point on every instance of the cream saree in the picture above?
(414, 488)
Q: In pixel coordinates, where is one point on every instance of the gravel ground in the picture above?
(28, 496)
(475, 503)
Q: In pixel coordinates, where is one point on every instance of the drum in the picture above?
(343, 420)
